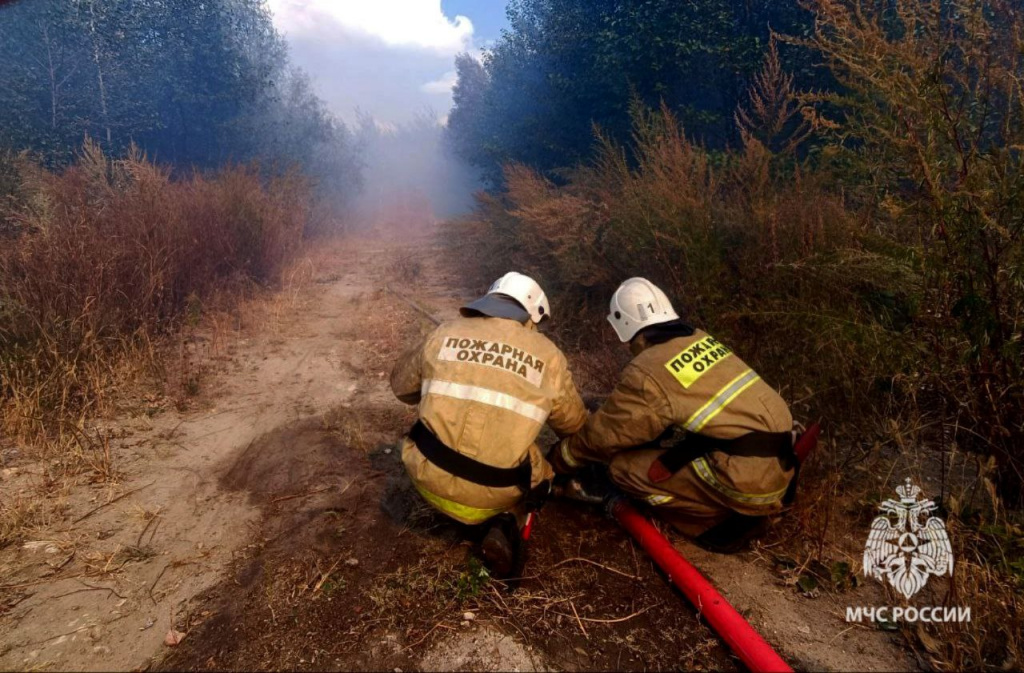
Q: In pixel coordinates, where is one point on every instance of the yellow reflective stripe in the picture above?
(567, 456)
(721, 400)
(658, 499)
(707, 475)
(459, 511)
(485, 396)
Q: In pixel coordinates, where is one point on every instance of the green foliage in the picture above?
(933, 119)
(567, 65)
(891, 245)
(193, 84)
(472, 581)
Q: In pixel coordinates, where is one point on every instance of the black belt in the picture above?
(464, 467)
(751, 445)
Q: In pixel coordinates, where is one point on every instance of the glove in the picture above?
(561, 458)
(537, 496)
(593, 402)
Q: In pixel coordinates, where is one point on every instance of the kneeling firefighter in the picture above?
(729, 459)
(485, 384)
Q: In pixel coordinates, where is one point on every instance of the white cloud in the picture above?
(442, 85)
(397, 23)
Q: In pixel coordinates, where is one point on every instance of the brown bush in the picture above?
(933, 121)
(876, 280)
(112, 253)
(754, 247)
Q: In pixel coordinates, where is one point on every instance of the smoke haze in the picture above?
(387, 69)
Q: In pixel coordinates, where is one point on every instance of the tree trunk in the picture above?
(99, 69)
(53, 76)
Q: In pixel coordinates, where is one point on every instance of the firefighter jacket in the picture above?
(485, 387)
(698, 385)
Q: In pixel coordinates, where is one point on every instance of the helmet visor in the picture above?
(496, 306)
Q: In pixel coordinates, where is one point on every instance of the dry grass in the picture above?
(110, 256)
(112, 274)
(367, 428)
(406, 267)
(876, 283)
(20, 513)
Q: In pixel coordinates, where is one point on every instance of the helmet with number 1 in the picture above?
(525, 292)
(637, 304)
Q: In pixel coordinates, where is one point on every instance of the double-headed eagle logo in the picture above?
(906, 552)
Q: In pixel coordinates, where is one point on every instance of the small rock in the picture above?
(352, 562)
(465, 624)
(173, 638)
(804, 629)
(469, 616)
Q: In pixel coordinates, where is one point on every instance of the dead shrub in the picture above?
(933, 121)
(110, 255)
(876, 279)
(406, 267)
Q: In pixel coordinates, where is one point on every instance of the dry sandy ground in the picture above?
(224, 526)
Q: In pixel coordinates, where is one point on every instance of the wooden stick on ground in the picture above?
(578, 620)
(299, 495)
(419, 309)
(152, 520)
(580, 559)
(111, 502)
(610, 621)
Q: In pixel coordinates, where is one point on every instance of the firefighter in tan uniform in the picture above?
(486, 384)
(729, 457)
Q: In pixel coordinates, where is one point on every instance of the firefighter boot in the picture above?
(733, 534)
(501, 546)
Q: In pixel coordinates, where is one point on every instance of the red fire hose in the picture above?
(756, 654)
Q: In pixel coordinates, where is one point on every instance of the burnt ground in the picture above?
(349, 570)
(363, 577)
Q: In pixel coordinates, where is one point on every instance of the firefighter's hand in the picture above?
(559, 460)
(593, 402)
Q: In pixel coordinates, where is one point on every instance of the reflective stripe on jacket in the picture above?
(485, 387)
(699, 385)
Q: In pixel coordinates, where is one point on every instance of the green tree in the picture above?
(193, 83)
(565, 66)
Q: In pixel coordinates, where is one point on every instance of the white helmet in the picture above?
(639, 303)
(523, 289)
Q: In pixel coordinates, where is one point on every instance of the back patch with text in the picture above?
(698, 358)
(493, 354)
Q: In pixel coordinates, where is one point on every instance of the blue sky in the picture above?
(392, 59)
(488, 16)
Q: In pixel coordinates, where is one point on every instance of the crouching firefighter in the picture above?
(690, 429)
(485, 384)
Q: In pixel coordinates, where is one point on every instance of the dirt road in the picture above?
(268, 525)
